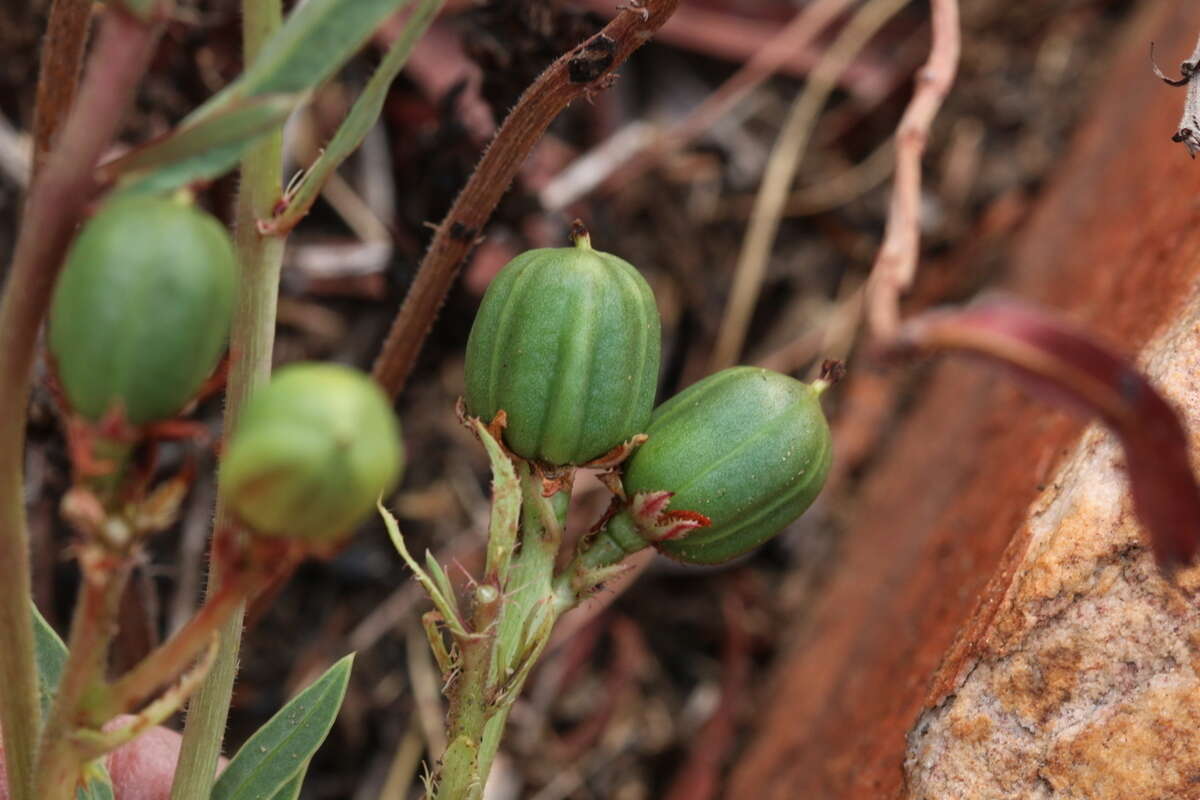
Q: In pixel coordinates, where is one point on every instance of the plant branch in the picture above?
(896, 264)
(58, 76)
(795, 37)
(59, 762)
(586, 68)
(170, 659)
(251, 344)
(55, 205)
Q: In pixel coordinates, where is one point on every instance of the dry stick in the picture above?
(781, 171)
(896, 263)
(825, 194)
(797, 35)
(58, 76)
(582, 70)
(55, 205)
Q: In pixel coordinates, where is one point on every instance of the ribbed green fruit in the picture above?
(141, 311)
(312, 453)
(748, 448)
(567, 342)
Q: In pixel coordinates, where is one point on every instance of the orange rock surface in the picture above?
(996, 628)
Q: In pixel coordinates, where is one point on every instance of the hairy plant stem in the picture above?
(251, 343)
(58, 75)
(493, 668)
(571, 76)
(52, 211)
(59, 764)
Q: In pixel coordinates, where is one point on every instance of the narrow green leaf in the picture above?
(439, 577)
(280, 750)
(200, 150)
(506, 507)
(315, 41)
(447, 607)
(97, 784)
(50, 655)
(359, 121)
(291, 789)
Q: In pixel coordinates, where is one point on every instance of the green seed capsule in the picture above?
(567, 342)
(747, 448)
(312, 452)
(141, 312)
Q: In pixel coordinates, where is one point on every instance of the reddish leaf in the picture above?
(1054, 359)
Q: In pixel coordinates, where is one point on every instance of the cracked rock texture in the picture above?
(995, 629)
(1087, 680)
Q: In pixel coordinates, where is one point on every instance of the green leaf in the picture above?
(200, 150)
(50, 656)
(315, 41)
(446, 606)
(359, 121)
(291, 789)
(278, 753)
(506, 507)
(97, 784)
(439, 577)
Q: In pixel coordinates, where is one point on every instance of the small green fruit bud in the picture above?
(745, 450)
(312, 453)
(567, 342)
(141, 312)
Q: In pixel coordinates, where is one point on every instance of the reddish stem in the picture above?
(586, 68)
(55, 205)
(58, 78)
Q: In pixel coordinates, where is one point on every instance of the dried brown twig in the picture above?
(799, 34)
(896, 263)
(584, 69)
(781, 172)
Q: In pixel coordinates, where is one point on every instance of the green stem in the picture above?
(251, 344)
(59, 765)
(474, 712)
(56, 202)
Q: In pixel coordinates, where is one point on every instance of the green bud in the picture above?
(141, 312)
(312, 452)
(737, 456)
(567, 342)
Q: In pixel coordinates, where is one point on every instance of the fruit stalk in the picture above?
(56, 202)
(251, 343)
(59, 766)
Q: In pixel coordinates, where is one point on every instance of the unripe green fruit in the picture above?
(567, 342)
(141, 311)
(748, 448)
(312, 453)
